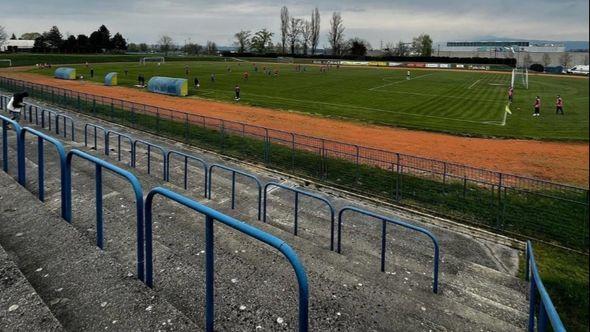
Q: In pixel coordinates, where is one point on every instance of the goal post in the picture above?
(513, 77)
(7, 61)
(158, 59)
(520, 76)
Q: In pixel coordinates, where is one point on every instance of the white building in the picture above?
(12, 45)
(502, 46)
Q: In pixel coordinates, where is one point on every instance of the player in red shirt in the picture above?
(537, 106)
(559, 106)
(510, 94)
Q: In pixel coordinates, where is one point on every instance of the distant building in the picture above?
(16, 45)
(502, 46)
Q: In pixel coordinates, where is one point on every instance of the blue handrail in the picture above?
(99, 163)
(385, 219)
(187, 157)
(95, 127)
(29, 111)
(233, 183)
(41, 163)
(20, 156)
(211, 216)
(149, 149)
(546, 308)
(57, 117)
(107, 143)
(304, 193)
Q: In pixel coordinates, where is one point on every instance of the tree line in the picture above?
(99, 41)
(301, 36)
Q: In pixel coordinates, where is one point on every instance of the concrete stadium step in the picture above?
(21, 308)
(426, 284)
(84, 287)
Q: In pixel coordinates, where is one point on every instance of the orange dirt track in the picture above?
(565, 162)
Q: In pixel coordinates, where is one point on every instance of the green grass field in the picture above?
(464, 103)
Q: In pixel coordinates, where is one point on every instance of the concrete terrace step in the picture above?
(84, 287)
(461, 279)
(21, 308)
(361, 274)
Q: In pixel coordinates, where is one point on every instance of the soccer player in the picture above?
(237, 91)
(559, 105)
(186, 72)
(510, 94)
(91, 72)
(212, 78)
(408, 75)
(197, 83)
(126, 72)
(245, 76)
(537, 106)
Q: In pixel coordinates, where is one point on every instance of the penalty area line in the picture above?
(474, 83)
(398, 82)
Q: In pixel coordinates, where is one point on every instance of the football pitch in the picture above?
(457, 102)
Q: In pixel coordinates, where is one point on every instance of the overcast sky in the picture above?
(374, 20)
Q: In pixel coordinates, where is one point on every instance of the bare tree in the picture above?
(3, 35)
(336, 33)
(546, 59)
(211, 47)
(284, 27)
(294, 31)
(242, 40)
(315, 30)
(565, 59)
(401, 49)
(165, 43)
(389, 49)
(306, 35)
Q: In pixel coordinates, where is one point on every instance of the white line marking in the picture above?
(474, 83)
(398, 82)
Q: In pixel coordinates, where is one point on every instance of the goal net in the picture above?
(520, 76)
(158, 59)
(6, 62)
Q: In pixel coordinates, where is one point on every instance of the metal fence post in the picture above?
(157, 119)
(186, 127)
(292, 152)
(209, 275)
(398, 188)
(357, 159)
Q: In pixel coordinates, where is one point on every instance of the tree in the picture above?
(70, 45)
(192, 48)
(306, 34)
(13, 37)
(105, 41)
(546, 59)
(261, 40)
(143, 47)
(565, 59)
(336, 33)
(118, 42)
(133, 47)
(3, 35)
(295, 28)
(284, 27)
(53, 38)
(40, 45)
(401, 49)
(30, 35)
(358, 47)
(211, 47)
(83, 43)
(165, 42)
(315, 30)
(422, 45)
(242, 40)
(389, 49)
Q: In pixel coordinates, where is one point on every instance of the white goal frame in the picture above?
(284, 59)
(7, 60)
(158, 59)
(524, 77)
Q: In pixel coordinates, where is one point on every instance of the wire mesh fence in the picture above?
(503, 202)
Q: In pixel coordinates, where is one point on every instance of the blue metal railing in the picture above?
(149, 153)
(386, 220)
(233, 183)
(296, 209)
(107, 143)
(41, 137)
(186, 157)
(100, 164)
(58, 116)
(28, 114)
(20, 156)
(95, 127)
(547, 312)
(211, 216)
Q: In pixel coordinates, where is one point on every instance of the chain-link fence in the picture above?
(506, 203)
